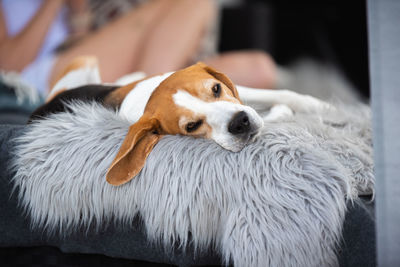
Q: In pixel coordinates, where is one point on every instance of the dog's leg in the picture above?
(277, 113)
(130, 78)
(264, 98)
(81, 71)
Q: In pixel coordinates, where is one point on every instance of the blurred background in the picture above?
(329, 32)
(312, 47)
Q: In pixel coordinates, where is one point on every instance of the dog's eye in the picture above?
(216, 90)
(193, 126)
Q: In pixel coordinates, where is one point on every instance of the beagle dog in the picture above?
(197, 101)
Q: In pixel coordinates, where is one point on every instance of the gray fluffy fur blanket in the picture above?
(281, 201)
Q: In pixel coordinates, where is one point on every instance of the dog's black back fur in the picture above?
(85, 93)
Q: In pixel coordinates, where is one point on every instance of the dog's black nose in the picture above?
(239, 124)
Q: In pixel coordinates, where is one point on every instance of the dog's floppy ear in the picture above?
(131, 157)
(223, 78)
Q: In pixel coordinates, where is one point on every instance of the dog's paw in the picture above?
(303, 103)
(278, 112)
(313, 104)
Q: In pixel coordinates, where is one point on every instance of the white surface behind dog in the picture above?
(280, 201)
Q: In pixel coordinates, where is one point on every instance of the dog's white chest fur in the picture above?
(132, 107)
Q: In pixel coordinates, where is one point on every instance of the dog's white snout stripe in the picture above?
(218, 115)
(215, 112)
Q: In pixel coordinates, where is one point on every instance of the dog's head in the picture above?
(197, 101)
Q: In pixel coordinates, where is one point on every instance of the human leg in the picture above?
(117, 46)
(158, 36)
(173, 42)
(249, 68)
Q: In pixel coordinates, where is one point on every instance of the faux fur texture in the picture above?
(281, 201)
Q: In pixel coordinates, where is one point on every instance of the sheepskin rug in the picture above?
(281, 201)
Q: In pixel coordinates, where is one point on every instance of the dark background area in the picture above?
(327, 31)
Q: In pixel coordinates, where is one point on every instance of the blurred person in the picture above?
(155, 36)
